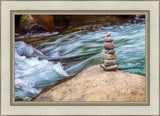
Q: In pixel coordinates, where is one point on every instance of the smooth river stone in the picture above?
(108, 39)
(108, 56)
(109, 51)
(109, 45)
(109, 68)
(109, 62)
(108, 34)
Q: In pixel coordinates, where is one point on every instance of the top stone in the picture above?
(108, 34)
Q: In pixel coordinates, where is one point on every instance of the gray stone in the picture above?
(109, 62)
(109, 68)
(109, 51)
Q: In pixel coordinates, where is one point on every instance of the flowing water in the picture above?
(64, 55)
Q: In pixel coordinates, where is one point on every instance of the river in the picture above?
(65, 55)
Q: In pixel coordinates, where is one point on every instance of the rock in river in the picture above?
(95, 84)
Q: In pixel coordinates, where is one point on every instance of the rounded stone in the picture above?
(108, 39)
(109, 68)
(109, 45)
(108, 56)
(109, 51)
(108, 34)
(109, 62)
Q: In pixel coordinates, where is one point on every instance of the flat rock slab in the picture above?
(108, 56)
(109, 68)
(109, 51)
(95, 84)
(109, 62)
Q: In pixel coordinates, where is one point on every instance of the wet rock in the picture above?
(45, 21)
(36, 23)
(26, 24)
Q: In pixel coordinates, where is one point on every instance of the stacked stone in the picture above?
(108, 55)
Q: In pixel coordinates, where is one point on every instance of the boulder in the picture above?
(95, 84)
(45, 21)
(36, 23)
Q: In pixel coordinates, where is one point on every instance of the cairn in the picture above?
(108, 55)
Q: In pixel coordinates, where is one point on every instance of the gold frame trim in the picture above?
(81, 12)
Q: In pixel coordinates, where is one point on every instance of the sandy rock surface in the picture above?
(95, 84)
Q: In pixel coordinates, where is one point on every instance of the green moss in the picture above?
(25, 23)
